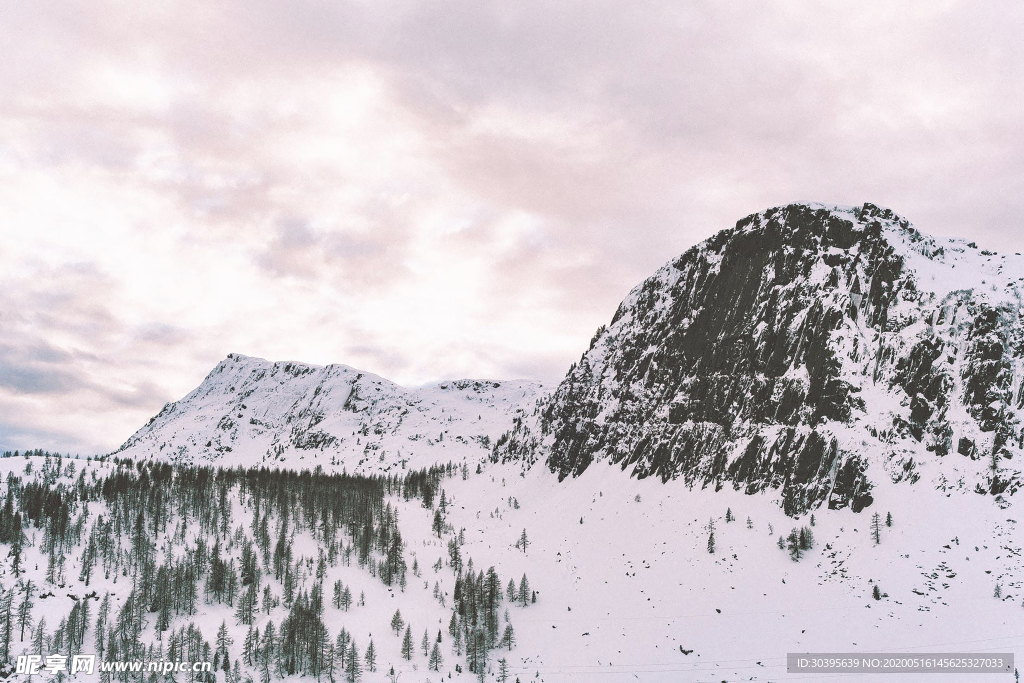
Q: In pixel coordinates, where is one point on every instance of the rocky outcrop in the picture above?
(809, 351)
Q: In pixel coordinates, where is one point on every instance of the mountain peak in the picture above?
(814, 351)
(249, 411)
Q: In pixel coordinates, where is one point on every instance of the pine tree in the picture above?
(998, 592)
(25, 607)
(331, 665)
(523, 541)
(16, 542)
(711, 536)
(267, 647)
(268, 599)
(101, 623)
(289, 587)
(876, 592)
(245, 612)
(435, 660)
(371, 657)
(6, 629)
(502, 671)
(524, 590)
(425, 643)
(353, 672)
(249, 644)
(341, 647)
(750, 523)
(397, 622)
(454, 555)
(806, 538)
(793, 544)
(728, 515)
(888, 519)
(407, 646)
(438, 524)
(323, 647)
(223, 642)
(510, 591)
(508, 639)
(876, 528)
(39, 637)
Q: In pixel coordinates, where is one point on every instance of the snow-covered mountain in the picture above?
(813, 350)
(251, 412)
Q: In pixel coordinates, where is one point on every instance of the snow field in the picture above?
(620, 594)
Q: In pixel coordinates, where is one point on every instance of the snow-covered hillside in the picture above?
(249, 412)
(811, 352)
(626, 588)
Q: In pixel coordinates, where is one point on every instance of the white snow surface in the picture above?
(252, 412)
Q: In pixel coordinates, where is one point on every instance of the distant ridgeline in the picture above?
(250, 412)
(813, 350)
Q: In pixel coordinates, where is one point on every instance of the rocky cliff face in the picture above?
(252, 412)
(811, 351)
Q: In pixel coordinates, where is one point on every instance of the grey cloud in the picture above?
(80, 382)
(162, 334)
(142, 396)
(39, 379)
(363, 262)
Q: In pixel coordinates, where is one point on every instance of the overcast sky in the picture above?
(435, 190)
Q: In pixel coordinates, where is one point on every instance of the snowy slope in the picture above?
(626, 589)
(623, 591)
(811, 351)
(249, 412)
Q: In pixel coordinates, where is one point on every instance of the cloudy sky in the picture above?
(434, 190)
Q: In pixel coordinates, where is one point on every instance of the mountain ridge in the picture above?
(251, 411)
